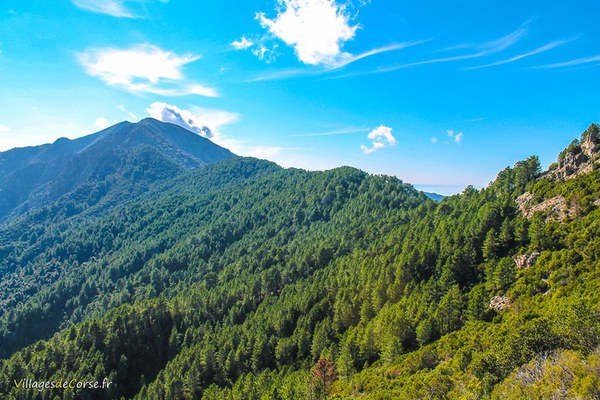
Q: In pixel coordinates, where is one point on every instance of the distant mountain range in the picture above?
(435, 196)
(101, 169)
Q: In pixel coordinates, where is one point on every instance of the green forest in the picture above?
(244, 280)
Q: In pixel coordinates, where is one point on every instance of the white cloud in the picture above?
(114, 8)
(143, 68)
(101, 123)
(450, 132)
(242, 44)
(4, 128)
(381, 137)
(369, 150)
(316, 29)
(204, 122)
(434, 140)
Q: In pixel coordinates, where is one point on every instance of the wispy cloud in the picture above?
(570, 63)
(392, 47)
(215, 118)
(284, 74)
(496, 45)
(485, 49)
(4, 128)
(481, 50)
(349, 59)
(538, 50)
(475, 119)
(114, 8)
(346, 131)
(381, 137)
(143, 68)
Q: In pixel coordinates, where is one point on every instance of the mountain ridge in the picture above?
(35, 176)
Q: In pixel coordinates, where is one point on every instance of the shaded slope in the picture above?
(123, 158)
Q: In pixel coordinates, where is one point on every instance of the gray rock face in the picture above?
(556, 208)
(499, 303)
(590, 143)
(525, 261)
(581, 156)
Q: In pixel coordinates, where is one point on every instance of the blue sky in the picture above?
(441, 94)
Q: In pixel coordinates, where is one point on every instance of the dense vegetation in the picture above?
(246, 281)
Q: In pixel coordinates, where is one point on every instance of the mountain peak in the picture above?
(125, 152)
(201, 130)
(150, 121)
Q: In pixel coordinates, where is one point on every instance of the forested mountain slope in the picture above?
(291, 284)
(108, 167)
(54, 274)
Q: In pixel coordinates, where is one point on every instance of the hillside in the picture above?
(102, 169)
(245, 280)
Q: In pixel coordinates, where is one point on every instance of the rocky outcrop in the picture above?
(555, 207)
(525, 261)
(590, 141)
(582, 156)
(499, 303)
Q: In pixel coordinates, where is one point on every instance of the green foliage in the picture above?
(246, 281)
